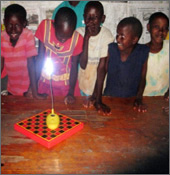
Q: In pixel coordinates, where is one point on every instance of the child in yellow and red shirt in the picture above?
(59, 41)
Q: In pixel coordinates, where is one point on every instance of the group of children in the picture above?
(86, 60)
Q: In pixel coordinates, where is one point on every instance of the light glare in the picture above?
(48, 67)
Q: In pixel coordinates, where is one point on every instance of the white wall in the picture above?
(114, 11)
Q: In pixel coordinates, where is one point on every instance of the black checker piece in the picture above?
(36, 132)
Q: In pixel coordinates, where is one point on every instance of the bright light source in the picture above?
(48, 67)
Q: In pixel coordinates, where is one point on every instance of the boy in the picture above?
(93, 60)
(127, 63)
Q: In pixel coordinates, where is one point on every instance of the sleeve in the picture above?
(30, 46)
(107, 38)
(40, 31)
(81, 30)
(56, 10)
(79, 46)
(145, 53)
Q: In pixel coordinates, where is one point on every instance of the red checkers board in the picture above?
(35, 127)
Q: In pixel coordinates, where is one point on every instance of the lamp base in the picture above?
(52, 120)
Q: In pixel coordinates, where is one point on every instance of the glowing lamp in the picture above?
(53, 119)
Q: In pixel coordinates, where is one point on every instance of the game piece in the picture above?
(35, 127)
(52, 120)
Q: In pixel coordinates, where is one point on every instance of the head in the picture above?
(158, 27)
(129, 31)
(73, 3)
(65, 24)
(94, 16)
(15, 20)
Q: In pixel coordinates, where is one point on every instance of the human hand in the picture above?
(102, 108)
(139, 106)
(69, 99)
(166, 110)
(88, 32)
(88, 103)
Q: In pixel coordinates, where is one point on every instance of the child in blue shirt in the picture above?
(127, 63)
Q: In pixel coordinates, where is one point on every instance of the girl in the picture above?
(157, 78)
(17, 51)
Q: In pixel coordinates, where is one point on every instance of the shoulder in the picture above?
(44, 21)
(142, 52)
(166, 44)
(142, 48)
(113, 47)
(4, 38)
(3, 34)
(106, 33)
(81, 31)
(78, 36)
(27, 33)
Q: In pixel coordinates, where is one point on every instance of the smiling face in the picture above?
(93, 18)
(63, 31)
(14, 27)
(125, 38)
(158, 29)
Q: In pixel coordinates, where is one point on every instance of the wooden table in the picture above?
(125, 142)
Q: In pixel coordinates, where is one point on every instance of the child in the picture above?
(17, 51)
(157, 78)
(127, 63)
(77, 7)
(59, 40)
(93, 60)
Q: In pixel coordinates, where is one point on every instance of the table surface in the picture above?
(124, 142)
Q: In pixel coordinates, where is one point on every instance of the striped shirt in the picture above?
(15, 60)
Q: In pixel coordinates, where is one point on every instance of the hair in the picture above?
(16, 9)
(66, 14)
(135, 23)
(96, 4)
(157, 15)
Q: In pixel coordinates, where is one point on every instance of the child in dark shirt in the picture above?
(127, 63)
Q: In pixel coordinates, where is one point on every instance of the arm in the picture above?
(84, 54)
(40, 60)
(138, 101)
(34, 68)
(32, 75)
(101, 73)
(31, 71)
(72, 80)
